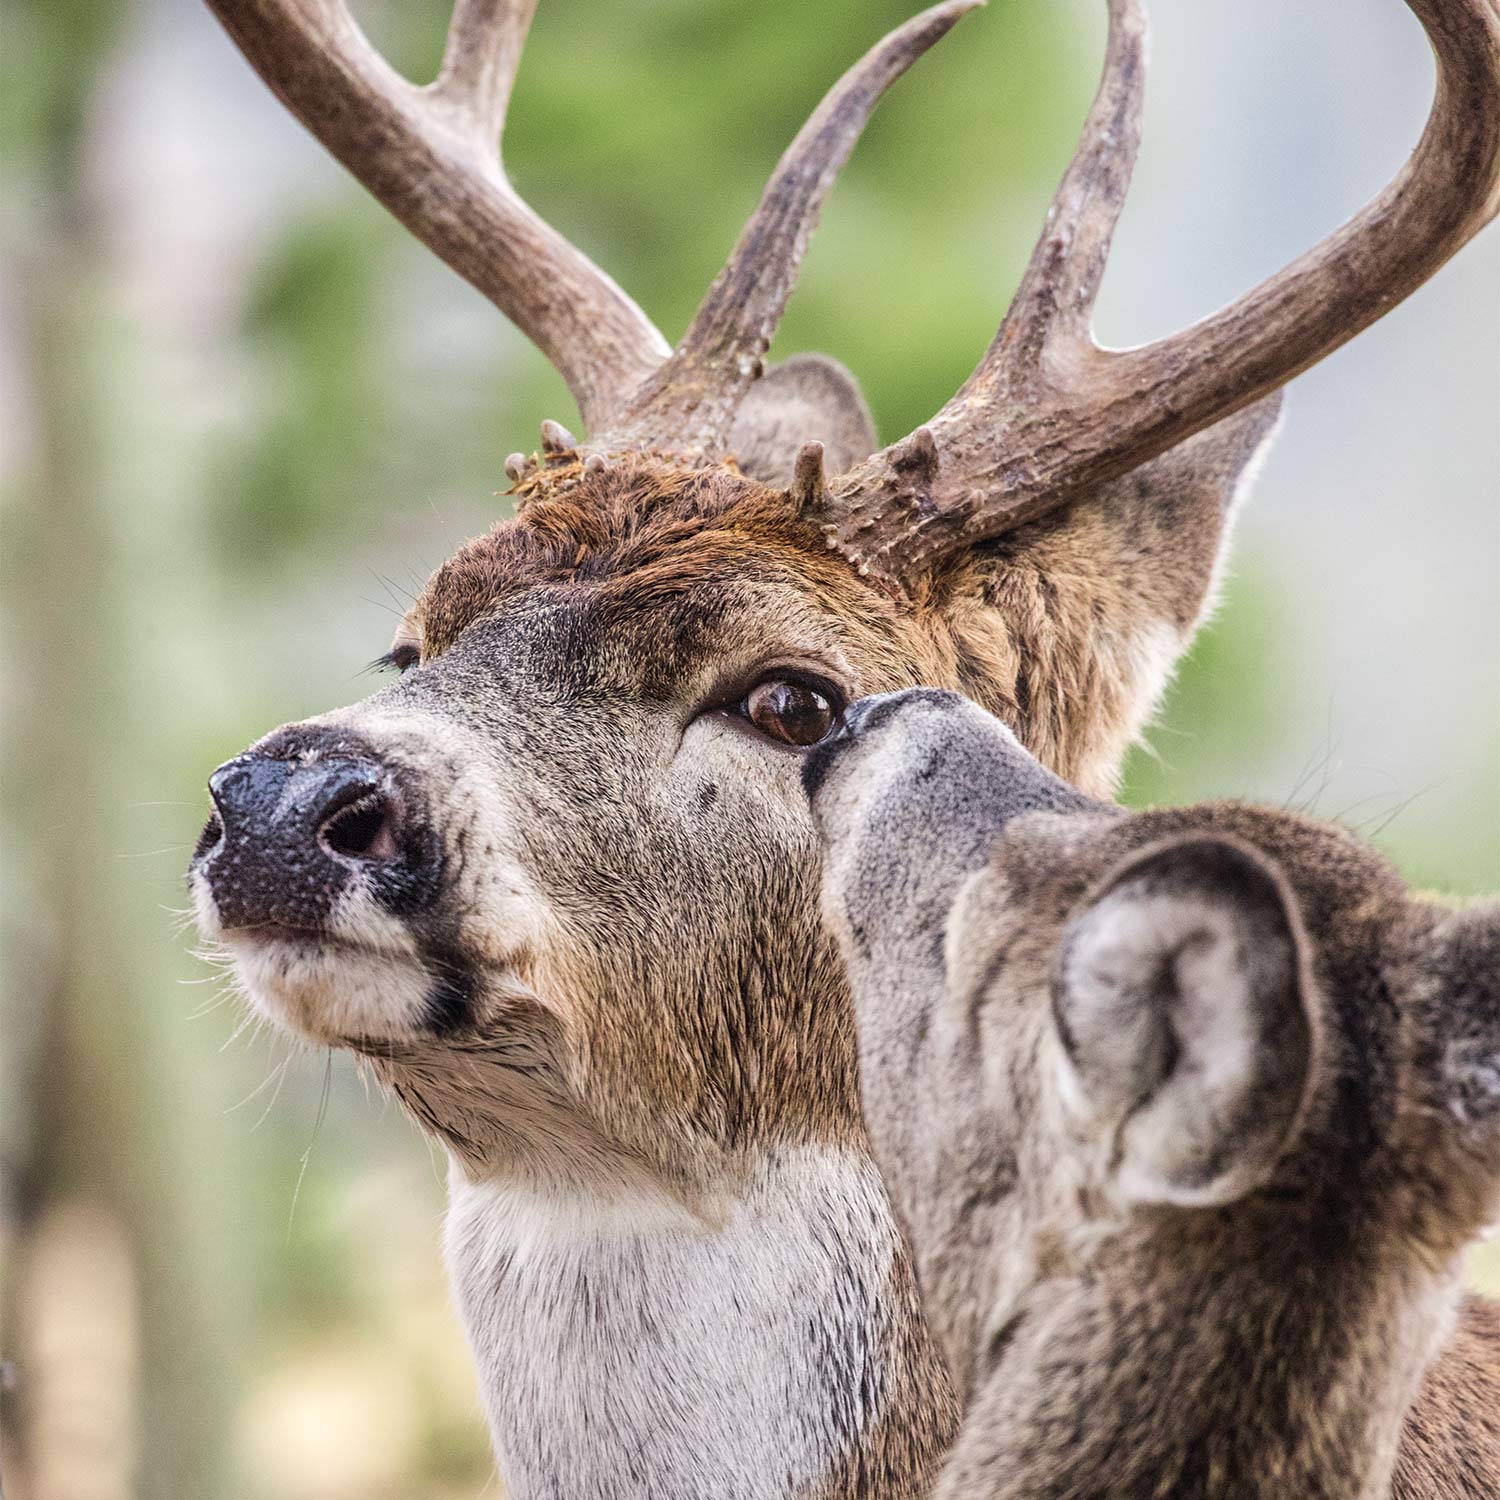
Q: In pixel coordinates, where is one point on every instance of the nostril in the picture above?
(364, 829)
(303, 822)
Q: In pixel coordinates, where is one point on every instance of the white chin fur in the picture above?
(330, 993)
(364, 981)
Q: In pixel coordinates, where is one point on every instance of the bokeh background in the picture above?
(243, 415)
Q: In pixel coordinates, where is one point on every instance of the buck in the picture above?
(558, 884)
(1190, 1114)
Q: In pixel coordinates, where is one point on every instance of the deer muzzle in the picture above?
(908, 797)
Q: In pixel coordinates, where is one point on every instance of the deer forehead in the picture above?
(662, 572)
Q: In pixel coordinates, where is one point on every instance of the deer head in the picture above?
(558, 885)
(1190, 1115)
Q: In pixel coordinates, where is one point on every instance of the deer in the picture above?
(1189, 1114)
(556, 886)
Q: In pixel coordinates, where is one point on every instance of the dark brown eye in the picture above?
(789, 710)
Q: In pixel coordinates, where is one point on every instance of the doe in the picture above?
(1189, 1114)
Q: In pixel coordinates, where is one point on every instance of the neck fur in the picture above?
(762, 1340)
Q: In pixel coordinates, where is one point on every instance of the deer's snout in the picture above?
(301, 821)
(925, 764)
(908, 796)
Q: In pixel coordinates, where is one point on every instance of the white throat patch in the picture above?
(629, 1348)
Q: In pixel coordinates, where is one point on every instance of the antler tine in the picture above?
(1048, 414)
(431, 155)
(881, 520)
(1057, 294)
(694, 395)
(483, 52)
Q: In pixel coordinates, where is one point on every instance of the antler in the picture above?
(432, 156)
(1048, 413)
(691, 400)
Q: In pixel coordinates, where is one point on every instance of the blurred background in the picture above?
(243, 415)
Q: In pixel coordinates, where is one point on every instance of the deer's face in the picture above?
(575, 823)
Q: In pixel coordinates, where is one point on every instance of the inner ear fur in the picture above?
(1184, 1004)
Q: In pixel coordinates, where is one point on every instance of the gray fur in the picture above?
(1187, 1115)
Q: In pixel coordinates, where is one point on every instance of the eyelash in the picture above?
(398, 658)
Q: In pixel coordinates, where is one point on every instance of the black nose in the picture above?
(295, 826)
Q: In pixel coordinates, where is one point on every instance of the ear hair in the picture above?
(1182, 1001)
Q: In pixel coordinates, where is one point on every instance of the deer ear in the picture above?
(1182, 1004)
(808, 397)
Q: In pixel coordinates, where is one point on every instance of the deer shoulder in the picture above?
(1190, 1116)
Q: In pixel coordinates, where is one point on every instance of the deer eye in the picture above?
(793, 710)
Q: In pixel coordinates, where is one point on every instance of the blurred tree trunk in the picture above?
(92, 1197)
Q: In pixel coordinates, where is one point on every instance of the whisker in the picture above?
(260, 1087)
(253, 1021)
(307, 1154)
(1396, 811)
(280, 1076)
(388, 607)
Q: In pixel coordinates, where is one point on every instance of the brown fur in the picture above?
(1450, 1447)
(1045, 628)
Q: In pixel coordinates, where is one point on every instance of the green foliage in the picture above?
(302, 472)
(46, 76)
